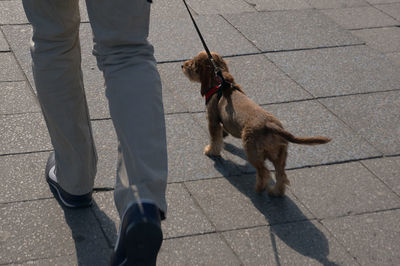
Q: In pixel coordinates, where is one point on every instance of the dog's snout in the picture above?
(181, 66)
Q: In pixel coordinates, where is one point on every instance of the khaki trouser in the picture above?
(133, 89)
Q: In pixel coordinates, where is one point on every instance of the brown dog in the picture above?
(232, 111)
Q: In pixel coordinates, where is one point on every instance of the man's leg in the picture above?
(57, 73)
(133, 88)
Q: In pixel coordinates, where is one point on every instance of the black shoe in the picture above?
(68, 200)
(140, 236)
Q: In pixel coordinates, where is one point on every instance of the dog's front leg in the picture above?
(216, 130)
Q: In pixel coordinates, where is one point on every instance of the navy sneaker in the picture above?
(68, 200)
(140, 236)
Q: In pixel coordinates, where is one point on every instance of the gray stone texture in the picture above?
(41, 229)
(207, 249)
(373, 239)
(392, 10)
(220, 7)
(385, 40)
(395, 57)
(17, 97)
(23, 177)
(19, 37)
(9, 69)
(12, 12)
(374, 116)
(3, 43)
(360, 17)
(271, 5)
(174, 38)
(383, 1)
(287, 30)
(261, 80)
(339, 190)
(107, 147)
(387, 170)
(184, 217)
(23, 133)
(339, 71)
(300, 243)
(231, 203)
(325, 4)
(185, 142)
(312, 119)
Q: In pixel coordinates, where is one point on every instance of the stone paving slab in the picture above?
(185, 142)
(23, 133)
(310, 118)
(387, 170)
(383, 1)
(171, 8)
(360, 17)
(287, 30)
(19, 37)
(372, 238)
(339, 190)
(300, 243)
(12, 12)
(231, 203)
(174, 38)
(220, 6)
(271, 5)
(23, 177)
(325, 4)
(339, 71)
(395, 57)
(41, 229)
(3, 43)
(59, 261)
(385, 40)
(391, 9)
(184, 217)
(9, 69)
(207, 249)
(17, 97)
(106, 143)
(374, 116)
(260, 79)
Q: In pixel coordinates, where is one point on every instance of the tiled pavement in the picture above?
(324, 67)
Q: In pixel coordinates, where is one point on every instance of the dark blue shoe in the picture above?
(68, 200)
(140, 236)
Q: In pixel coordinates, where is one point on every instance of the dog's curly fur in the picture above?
(262, 134)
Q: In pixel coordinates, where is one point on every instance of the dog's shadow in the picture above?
(287, 222)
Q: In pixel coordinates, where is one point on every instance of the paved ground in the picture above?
(324, 67)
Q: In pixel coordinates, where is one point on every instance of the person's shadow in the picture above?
(93, 242)
(287, 222)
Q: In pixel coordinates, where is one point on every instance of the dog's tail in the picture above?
(299, 140)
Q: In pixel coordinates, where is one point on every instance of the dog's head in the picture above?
(200, 69)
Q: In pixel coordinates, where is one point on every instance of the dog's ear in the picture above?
(220, 62)
(204, 72)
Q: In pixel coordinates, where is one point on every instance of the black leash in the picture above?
(217, 70)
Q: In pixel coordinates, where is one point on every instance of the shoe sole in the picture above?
(142, 243)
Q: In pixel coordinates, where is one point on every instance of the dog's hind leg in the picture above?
(256, 159)
(281, 179)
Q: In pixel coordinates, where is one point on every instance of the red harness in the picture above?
(212, 91)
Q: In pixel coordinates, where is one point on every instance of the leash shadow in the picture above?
(287, 222)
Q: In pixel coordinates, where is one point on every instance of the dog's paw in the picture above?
(209, 151)
(276, 191)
